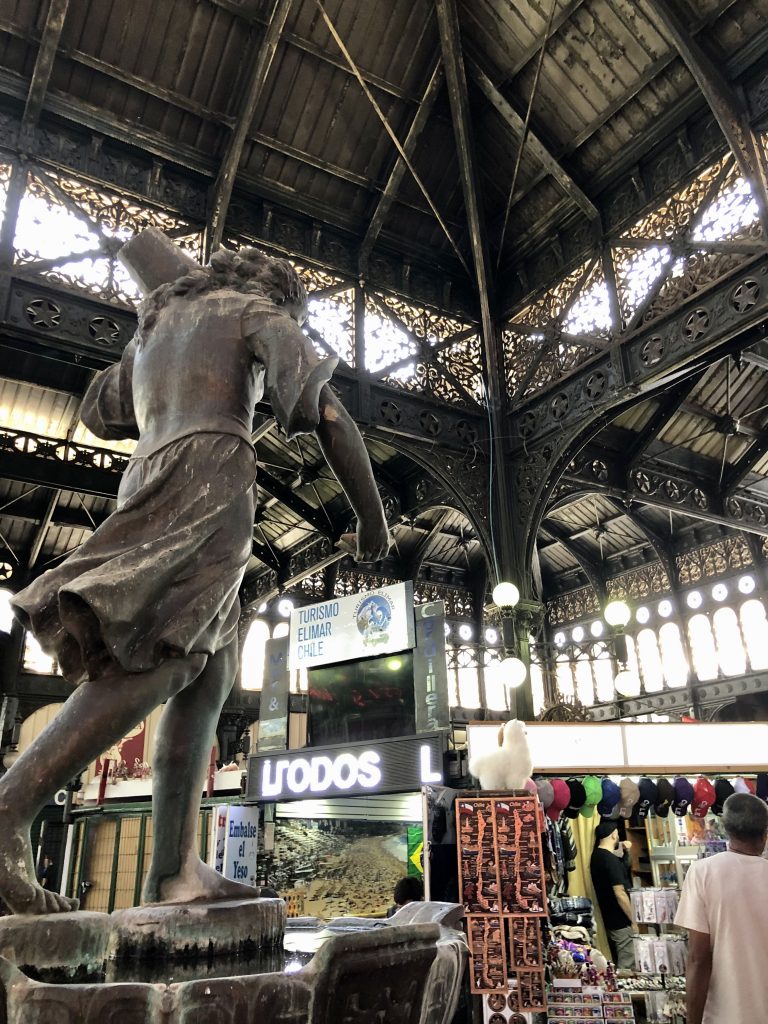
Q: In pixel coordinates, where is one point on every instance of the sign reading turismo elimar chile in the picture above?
(349, 628)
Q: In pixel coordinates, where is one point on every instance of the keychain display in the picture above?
(501, 878)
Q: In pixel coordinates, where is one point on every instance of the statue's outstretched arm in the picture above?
(346, 454)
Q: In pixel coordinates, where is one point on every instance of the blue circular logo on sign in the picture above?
(374, 615)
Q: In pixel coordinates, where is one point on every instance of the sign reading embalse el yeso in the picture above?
(348, 628)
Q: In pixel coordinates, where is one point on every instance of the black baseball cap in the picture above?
(578, 798)
(761, 785)
(648, 796)
(683, 797)
(665, 794)
(723, 789)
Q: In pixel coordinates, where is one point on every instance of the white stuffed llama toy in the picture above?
(509, 766)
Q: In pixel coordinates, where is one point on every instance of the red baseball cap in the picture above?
(561, 797)
(703, 797)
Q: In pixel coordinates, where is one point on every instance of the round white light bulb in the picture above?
(560, 639)
(596, 629)
(578, 634)
(465, 631)
(617, 613)
(285, 607)
(747, 584)
(447, 629)
(505, 595)
(491, 636)
(719, 592)
(665, 609)
(514, 672)
(694, 599)
(642, 615)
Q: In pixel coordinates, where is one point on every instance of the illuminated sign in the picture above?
(349, 628)
(378, 766)
(621, 747)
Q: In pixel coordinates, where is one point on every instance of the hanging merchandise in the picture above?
(629, 795)
(611, 795)
(501, 876)
(703, 798)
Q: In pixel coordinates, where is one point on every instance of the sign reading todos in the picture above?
(380, 766)
(348, 628)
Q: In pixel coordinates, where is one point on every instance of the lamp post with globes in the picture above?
(512, 670)
(617, 615)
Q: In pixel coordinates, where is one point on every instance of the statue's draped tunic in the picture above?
(160, 577)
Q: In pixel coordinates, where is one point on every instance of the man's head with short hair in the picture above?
(745, 819)
(408, 890)
(607, 829)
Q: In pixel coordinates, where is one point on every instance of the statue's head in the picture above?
(246, 270)
(249, 270)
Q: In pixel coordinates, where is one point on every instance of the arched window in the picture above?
(35, 659)
(496, 698)
(537, 687)
(585, 687)
(252, 658)
(650, 661)
(602, 670)
(730, 646)
(703, 650)
(564, 677)
(468, 682)
(6, 615)
(754, 626)
(672, 655)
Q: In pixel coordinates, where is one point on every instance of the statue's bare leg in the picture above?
(97, 715)
(182, 750)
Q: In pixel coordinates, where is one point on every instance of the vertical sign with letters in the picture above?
(241, 843)
(430, 672)
(275, 690)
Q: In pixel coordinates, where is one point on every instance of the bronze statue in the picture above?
(146, 610)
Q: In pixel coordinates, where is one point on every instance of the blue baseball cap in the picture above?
(611, 797)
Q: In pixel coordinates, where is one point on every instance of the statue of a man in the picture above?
(146, 610)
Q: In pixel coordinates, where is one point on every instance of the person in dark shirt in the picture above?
(609, 880)
(408, 890)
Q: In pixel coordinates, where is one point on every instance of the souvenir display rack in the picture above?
(572, 1003)
(503, 890)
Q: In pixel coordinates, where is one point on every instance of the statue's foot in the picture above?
(196, 882)
(18, 888)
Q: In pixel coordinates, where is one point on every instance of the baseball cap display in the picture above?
(577, 798)
(665, 794)
(683, 797)
(561, 797)
(723, 789)
(647, 798)
(703, 797)
(761, 786)
(610, 797)
(629, 795)
(743, 786)
(593, 794)
(545, 793)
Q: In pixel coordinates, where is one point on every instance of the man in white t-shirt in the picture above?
(724, 906)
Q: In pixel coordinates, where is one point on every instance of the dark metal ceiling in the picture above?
(247, 113)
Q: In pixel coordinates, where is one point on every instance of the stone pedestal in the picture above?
(236, 927)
